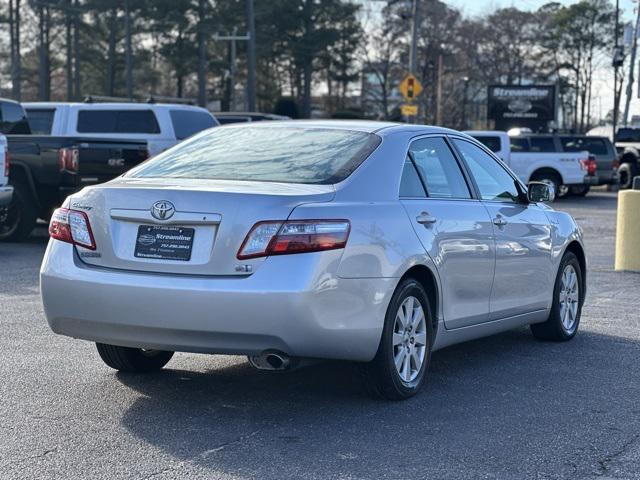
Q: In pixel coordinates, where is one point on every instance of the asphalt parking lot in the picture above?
(506, 407)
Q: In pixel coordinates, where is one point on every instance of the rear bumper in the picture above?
(294, 304)
(6, 194)
(608, 178)
(592, 180)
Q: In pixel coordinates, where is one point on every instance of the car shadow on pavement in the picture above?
(505, 403)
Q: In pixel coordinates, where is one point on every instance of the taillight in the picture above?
(615, 165)
(68, 159)
(72, 226)
(294, 236)
(589, 164)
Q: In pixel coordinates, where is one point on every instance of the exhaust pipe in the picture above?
(270, 360)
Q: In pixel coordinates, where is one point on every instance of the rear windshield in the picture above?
(492, 143)
(40, 120)
(593, 145)
(117, 121)
(268, 154)
(628, 135)
(189, 122)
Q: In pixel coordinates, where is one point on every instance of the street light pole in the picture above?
(128, 54)
(464, 102)
(251, 57)
(632, 62)
(439, 90)
(415, 26)
(413, 56)
(616, 100)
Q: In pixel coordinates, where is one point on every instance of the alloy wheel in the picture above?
(569, 297)
(409, 339)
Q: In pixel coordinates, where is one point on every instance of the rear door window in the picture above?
(519, 144)
(411, 185)
(117, 121)
(189, 122)
(492, 143)
(542, 144)
(438, 169)
(13, 120)
(41, 120)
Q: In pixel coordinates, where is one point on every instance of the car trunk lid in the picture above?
(202, 227)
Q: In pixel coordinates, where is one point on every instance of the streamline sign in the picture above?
(532, 106)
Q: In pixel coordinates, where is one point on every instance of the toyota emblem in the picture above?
(163, 210)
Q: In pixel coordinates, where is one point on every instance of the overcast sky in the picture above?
(479, 7)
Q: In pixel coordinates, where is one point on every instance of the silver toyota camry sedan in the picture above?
(371, 242)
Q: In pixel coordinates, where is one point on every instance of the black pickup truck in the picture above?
(45, 170)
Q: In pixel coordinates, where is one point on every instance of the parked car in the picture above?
(161, 125)
(242, 117)
(6, 190)
(322, 239)
(600, 148)
(45, 169)
(627, 143)
(562, 170)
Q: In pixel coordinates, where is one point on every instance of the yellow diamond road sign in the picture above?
(410, 87)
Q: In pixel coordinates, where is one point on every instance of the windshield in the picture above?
(268, 154)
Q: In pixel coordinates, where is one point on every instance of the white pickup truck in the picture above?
(562, 170)
(162, 125)
(6, 191)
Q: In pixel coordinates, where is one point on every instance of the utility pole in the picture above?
(439, 89)
(202, 60)
(251, 57)
(464, 102)
(617, 63)
(232, 60)
(634, 46)
(415, 26)
(69, 48)
(43, 48)
(128, 59)
(232, 73)
(413, 56)
(77, 91)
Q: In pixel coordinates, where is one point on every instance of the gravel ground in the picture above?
(506, 407)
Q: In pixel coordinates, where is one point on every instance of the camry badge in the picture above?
(163, 210)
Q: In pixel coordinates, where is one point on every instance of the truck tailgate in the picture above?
(101, 160)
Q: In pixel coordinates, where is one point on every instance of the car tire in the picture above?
(405, 342)
(552, 179)
(20, 216)
(579, 190)
(568, 297)
(134, 360)
(627, 171)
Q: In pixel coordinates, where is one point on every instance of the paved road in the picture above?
(507, 407)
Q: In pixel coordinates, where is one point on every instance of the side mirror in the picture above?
(541, 192)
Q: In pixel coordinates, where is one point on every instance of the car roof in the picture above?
(367, 126)
(109, 105)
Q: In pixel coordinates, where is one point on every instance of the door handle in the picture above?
(424, 218)
(499, 221)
